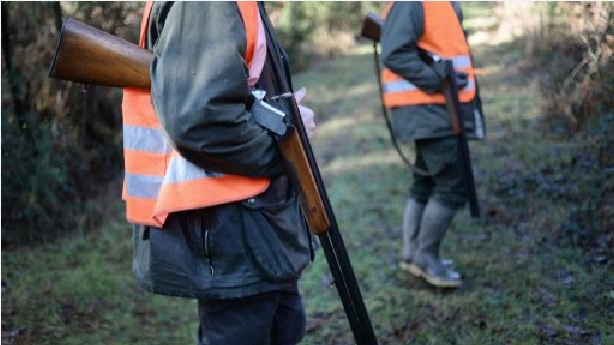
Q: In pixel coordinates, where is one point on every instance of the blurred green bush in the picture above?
(573, 55)
(36, 187)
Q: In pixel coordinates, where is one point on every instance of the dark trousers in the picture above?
(440, 158)
(272, 318)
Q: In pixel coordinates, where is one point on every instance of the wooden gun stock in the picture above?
(372, 27)
(87, 55)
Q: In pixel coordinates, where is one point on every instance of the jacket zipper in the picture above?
(207, 252)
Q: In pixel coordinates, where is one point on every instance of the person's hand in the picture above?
(306, 114)
(440, 67)
(462, 80)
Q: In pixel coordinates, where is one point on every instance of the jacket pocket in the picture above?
(276, 237)
(166, 261)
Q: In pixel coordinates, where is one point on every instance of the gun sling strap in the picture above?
(393, 138)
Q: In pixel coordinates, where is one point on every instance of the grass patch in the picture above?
(80, 290)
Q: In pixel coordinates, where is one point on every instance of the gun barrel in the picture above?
(450, 90)
(90, 56)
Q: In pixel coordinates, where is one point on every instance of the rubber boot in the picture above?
(435, 221)
(411, 229)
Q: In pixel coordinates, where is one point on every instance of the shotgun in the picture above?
(371, 29)
(87, 55)
(450, 91)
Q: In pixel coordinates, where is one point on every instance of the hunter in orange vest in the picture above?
(158, 179)
(215, 217)
(416, 38)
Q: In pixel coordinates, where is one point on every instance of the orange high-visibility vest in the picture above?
(158, 180)
(444, 37)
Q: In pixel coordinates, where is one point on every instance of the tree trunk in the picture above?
(7, 53)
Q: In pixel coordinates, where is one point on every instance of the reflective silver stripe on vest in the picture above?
(399, 86)
(461, 61)
(145, 139)
(182, 170)
(143, 186)
(405, 86)
(458, 61)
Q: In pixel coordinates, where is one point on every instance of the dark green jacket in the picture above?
(199, 88)
(402, 30)
(200, 93)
